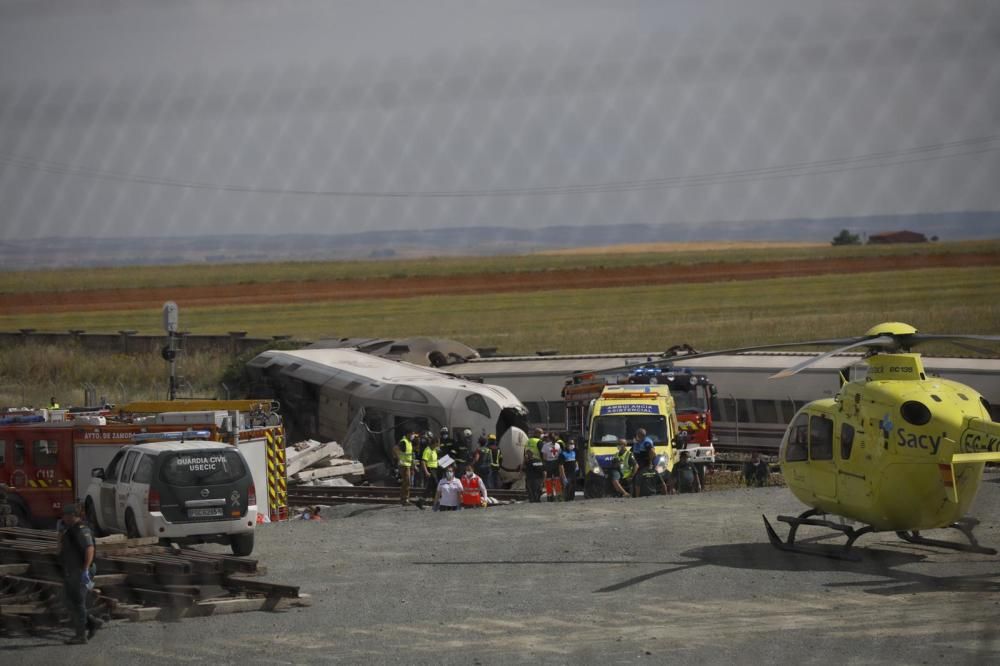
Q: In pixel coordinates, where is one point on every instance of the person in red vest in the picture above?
(473, 489)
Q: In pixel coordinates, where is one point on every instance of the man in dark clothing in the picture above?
(686, 476)
(534, 474)
(756, 471)
(76, 556)
(649, 482)
(568, 469)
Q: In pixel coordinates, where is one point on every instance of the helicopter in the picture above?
(897, 451)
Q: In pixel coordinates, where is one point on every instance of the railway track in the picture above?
(309, 495)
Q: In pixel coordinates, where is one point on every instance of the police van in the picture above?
(181, 491)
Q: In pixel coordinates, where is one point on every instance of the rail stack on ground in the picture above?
(137, 579)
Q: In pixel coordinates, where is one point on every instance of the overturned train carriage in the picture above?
(367, 403)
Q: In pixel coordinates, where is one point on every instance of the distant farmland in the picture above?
(547, 311)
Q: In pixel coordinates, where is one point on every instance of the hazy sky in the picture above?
(147, 117)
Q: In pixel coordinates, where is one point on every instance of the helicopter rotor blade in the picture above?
(918, 338)
(878, 341)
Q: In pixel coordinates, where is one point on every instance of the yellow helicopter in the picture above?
(897, 451)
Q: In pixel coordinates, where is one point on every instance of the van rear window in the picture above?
(202, 468)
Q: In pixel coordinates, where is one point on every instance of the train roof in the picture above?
(364, 373)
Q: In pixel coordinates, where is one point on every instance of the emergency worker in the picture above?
(494, 457)
(481, 461)
(621, 473)
(53, 404)
(568, 470)
(473, 489)
(534, 474)
(429, 466)
(551, 450)
(404, 458)
(76, 557)
(444, 437)
(643, 450)
(649, 482)
(534, 443)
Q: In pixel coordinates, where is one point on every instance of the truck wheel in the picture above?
(131, 529)
(91, 514)
(242, 544)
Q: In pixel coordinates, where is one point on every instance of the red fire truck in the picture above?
(693, 396)
(47, 457)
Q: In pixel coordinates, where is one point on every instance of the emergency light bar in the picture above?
(142, 437)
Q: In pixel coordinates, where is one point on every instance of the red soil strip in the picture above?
(347, 290)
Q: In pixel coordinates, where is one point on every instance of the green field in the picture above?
(649, 318)
(12, 282)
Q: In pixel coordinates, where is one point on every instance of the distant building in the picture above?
(897, 237)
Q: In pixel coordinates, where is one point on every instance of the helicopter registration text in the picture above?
(914, 441)
(974, 442)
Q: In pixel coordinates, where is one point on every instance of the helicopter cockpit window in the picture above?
(915, 413)
(846, 440)
(798, 440)
(820, 438)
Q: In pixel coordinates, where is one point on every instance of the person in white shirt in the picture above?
(550, 456)
(449, 492)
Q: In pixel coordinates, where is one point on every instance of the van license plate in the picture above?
(205, 513)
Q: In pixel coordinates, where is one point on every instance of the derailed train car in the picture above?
(367, 403)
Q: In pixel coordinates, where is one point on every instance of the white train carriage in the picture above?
(750, 411)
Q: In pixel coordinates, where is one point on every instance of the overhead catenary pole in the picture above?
(170, 351)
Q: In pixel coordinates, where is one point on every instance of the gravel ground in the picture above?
(601, 581)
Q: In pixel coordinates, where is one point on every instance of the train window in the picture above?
(798, 440)
(766, 411)
(18, 452)
(820, 438)
(846, 440)
(408, 394)
(3, 451)
(44, 453)
(538, 412)
(743, 406)
(788, 407)
(476, 403)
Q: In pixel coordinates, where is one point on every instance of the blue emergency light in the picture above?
(142, 437)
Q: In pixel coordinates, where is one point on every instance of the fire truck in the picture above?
(47, 457)
(693, 394)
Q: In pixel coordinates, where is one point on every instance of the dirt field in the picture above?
(344, 290)
(633, 248)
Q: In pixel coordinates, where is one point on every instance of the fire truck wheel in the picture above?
(92, 519)
(242, 544)
(131, 530)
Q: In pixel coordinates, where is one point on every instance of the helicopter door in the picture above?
(821, 465)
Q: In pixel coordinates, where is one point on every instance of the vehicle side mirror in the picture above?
(97, 473)
(681, 439)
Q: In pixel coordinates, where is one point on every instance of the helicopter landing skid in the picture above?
(842, 552)
(965, 526)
